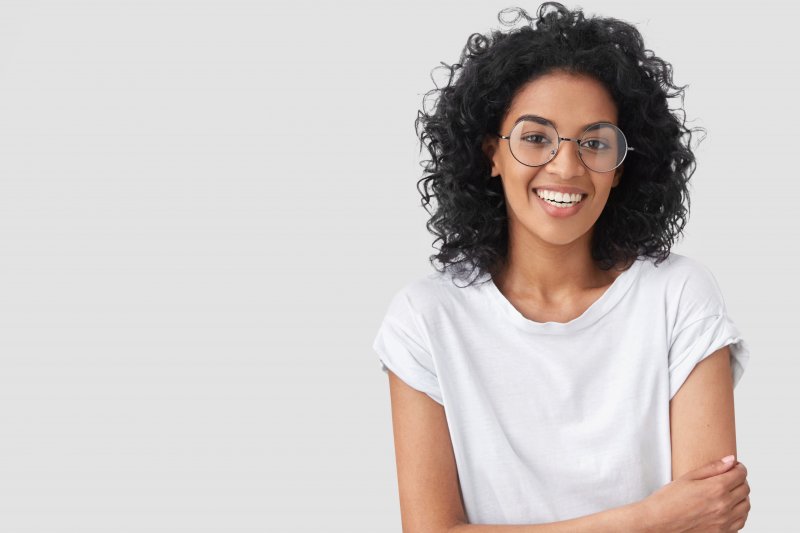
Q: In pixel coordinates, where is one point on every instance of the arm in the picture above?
(629, 518)
(702, 422)
(430, 495)
(427, 477)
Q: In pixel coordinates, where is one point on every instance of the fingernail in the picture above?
(727, 460)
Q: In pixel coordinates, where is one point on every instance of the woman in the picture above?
(583, 375)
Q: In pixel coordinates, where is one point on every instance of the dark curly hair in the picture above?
(645, 213)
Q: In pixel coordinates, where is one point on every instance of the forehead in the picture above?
(569, 101)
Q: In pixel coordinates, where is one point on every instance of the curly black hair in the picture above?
(645, 213)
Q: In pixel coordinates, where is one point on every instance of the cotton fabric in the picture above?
(551, 421)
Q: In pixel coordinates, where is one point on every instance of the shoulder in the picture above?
(413, 301)
(688, 289)
(677, 266)
(418, 293)
(681, 276)
(431, 292)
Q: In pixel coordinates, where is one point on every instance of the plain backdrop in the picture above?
(206, 205)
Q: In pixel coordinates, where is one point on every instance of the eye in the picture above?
(535, 138)
(595, 144)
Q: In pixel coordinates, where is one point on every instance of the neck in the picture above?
(549, 272)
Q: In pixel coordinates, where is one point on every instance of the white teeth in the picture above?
(558, 196)
(553, 202)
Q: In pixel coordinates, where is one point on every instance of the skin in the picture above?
(702, 417)
(550, 274)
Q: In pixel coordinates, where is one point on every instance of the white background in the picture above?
(205, 207)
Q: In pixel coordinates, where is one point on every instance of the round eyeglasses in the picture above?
(534, 142)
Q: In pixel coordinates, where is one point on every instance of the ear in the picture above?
(489, 147)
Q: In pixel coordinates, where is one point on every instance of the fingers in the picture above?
(740, 496)
(740, 512)
(740, 493)
(714, 468)
(734, 477)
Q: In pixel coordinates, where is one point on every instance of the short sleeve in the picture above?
(402, 349)
(703, 326)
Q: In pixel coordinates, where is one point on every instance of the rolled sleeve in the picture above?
(402, 349)
(702, 326)
(699, 340)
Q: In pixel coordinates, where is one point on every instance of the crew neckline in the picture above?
(600, 307)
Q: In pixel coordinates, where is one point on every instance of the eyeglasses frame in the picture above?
(577, 141)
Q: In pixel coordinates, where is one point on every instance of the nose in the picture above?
(567, 163)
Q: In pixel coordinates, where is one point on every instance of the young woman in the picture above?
(564, 370)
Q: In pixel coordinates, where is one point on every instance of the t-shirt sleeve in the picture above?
(402, 348)
(702, 327)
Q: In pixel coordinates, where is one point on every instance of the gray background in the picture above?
(205, 207)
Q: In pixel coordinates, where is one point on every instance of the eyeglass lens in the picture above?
(602, 147)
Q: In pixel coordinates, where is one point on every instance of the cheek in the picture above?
(520, 179)
(520, 192)
(599, 203)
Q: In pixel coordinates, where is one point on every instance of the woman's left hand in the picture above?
(742, 508)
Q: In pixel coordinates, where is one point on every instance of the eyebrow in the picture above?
(545, 122)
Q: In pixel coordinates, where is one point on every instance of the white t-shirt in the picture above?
(551, 421)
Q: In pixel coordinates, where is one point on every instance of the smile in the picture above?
(559, 199)
(559, 205)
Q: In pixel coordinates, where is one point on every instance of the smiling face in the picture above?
(571, 102)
